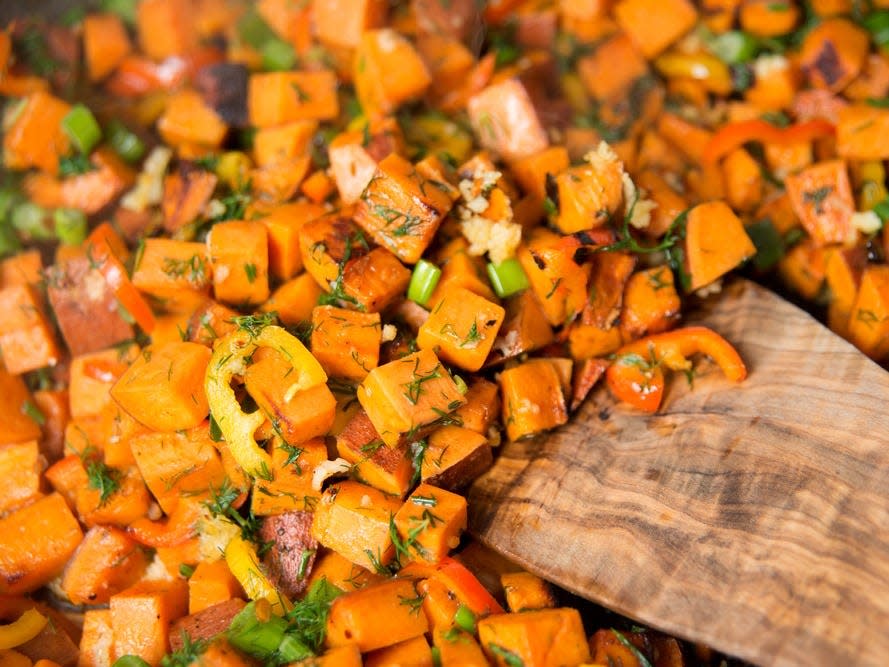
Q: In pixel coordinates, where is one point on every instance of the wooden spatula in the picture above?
(752, 517)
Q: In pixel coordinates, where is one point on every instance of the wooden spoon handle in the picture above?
(753, 518)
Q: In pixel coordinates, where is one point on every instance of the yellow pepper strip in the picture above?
(703, 67)
(241, 558)
(229, 359)
(22, 630)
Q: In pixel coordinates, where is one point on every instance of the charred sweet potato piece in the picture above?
(224, 88)
(206, 623)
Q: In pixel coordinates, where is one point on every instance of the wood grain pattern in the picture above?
(754, 518)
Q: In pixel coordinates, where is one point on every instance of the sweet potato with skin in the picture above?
(389, 469)
(164, 388)
(375, 617)
(106, 562)
(454, 457)
(715, 243)
(85, 307)
(206, 623)
(290, 559)
(505, 121)
(39, 540)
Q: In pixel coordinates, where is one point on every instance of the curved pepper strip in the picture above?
(459, 580)
(241, 558)
(24, 629)
(178, 528)
(230, 359)
(734, 135)
(636, 376)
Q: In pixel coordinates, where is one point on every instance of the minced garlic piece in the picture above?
(149, 190)
(866, 222)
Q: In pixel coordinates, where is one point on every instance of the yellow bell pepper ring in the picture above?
(230, 359)
(24, 629)
(241, 558)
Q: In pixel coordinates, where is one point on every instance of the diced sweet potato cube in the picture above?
(525, 591)
(342, 22)
(178, 464)
(822, 199)
(548, 637)
(482, 406)
(843, 269)
(291, 485)
(275, 98)
(295, 300)
(803, 268)
(23, 268)
(211, 583)
(376, 616)
(326, 244)
(105, 44)
(166, 28)
(505, 121)
(460, 269)
(375, 280)
(20, 468)
(26, 340)
(401, 209)
(141, 617)
(239, 256)
(389, 469)
(869, 319)
(650, 303)
(167, 267)
(833, 53)
(454, 457)
(97, 641)
(92, 376)
(388, 71)
(524, 329)
(164, 388)
(127, 503)
(408, 393)
(283, 224)
(341, 572)
(414, 651)
(461, 649)
(17, 423)
(210, 321)
(558, 282)
(39, 540)
(653, 26)
(351, 165)
(106, 562)
(189, 121)
(715, 243)
(346, 343)
(462, 328)
(85, 306)
(53, 405)
(36, 138)
(430, 522)
(297, 415)
(351, 509)
(283, 143)
(533, 400)
(186, 193)
(863, 132)
(588, 195)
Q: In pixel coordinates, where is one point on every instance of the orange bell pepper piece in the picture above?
(734, 135)
(459, 580)
(637, 377)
